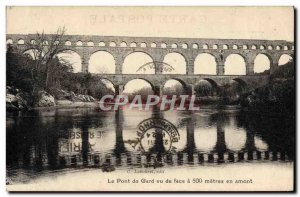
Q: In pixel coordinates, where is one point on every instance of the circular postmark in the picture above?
(156, 135)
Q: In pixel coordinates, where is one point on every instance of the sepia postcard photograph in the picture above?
(150, 99)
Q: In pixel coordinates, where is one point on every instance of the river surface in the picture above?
(50, 141)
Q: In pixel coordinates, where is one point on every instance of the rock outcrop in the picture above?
(45, 99)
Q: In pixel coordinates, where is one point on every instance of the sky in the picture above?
(271, 23)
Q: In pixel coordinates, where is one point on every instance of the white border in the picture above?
(4, 3)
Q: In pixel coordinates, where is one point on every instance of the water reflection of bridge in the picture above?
(39, 147)
(121, 156)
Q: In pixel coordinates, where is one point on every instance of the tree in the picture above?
(44, 49)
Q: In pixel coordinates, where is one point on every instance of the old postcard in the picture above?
(150, 99)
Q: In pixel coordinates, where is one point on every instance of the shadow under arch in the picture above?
(182, 82)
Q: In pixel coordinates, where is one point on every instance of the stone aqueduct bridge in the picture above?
(157, 48)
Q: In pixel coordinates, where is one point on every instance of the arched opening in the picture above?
(102, 62)
(101, 44)
(123, 44)
(79, 43)
(163, 45)
(205, 46)
(71, 58)
(262, 64)
(245, 46)
(184, 46)
(177, 62)
(45, 42)
(90, 44)
(205, 64)
(68, 43)
(153, 45)
(143, 45)
(215, 46)
(138, 87)
(285, 59)
(225, 46)
(34, 53)
(235, 46)
(138, 63)
(270, 47)
(174, 87)
(235, 65)
(233, 90)
(206, 88)
(100, 88)
(133, 44)
(112, 44)
(174, 46)
(195, 46)
(21, 41)
(9, 41)
(253, 47)
(32, 42)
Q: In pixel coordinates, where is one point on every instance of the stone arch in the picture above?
(278, 47)
(102, 61)
(90, 44)
(112, 44)
(131, 87)
(153, 45)
(205, 46)
(245, 46)
(102, 44)
(108, 83)
(262, 47)
(284, 59)
(270, 47)
(174, 81)
(241, 82)
(184, 46)
(207, 87)
(235, 64)
(45, 42)
(235, 46)
(135, 60)
(72, 57)
(262, 63)
(33, 53)
(225, 46)
(177, 61)
(21, 41)
(133, 44)
(9, 41)
(33, 41)
(205, 63)
(123, 44)
(253, 47)
(163, 45)
(68, 43)
(79, 43)
(174, 46)
(215, 46)
(195, 46)
(143, 45)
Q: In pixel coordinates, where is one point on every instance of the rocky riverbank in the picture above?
(18, 100)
